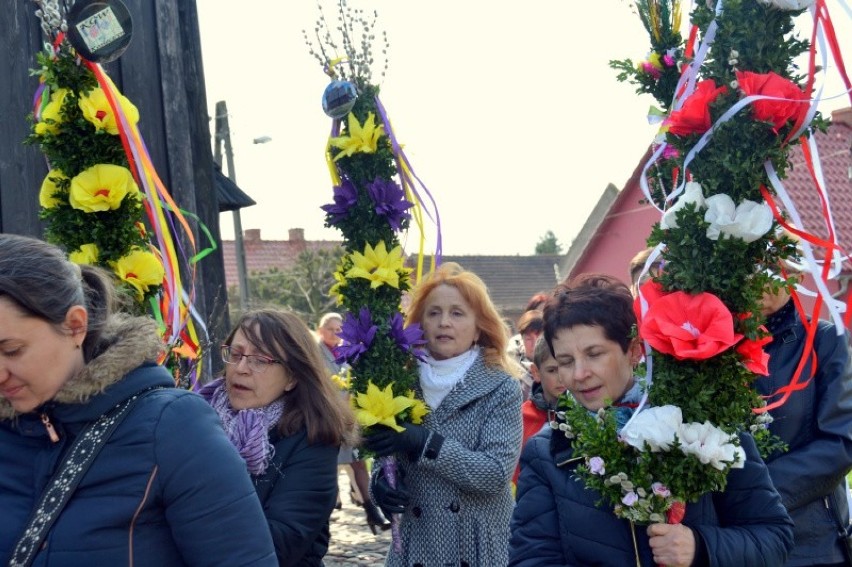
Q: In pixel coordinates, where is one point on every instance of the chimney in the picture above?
(842, 116)
(297, 235)
(252, 235)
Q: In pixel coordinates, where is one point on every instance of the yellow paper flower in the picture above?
(419, 409)
(360, 139)
(140, 269)
(86, 254)
(102, 187)
(96, 109)
(380, 407)
(340, 281)
(378, 265)
(47, 195)
(343, 379)
(51, 111)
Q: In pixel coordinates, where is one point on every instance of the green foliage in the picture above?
(548, 244)
(658, 75)
(75, 146)
(303, 289)
(711, 390)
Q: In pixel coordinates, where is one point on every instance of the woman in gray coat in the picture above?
(454, 495)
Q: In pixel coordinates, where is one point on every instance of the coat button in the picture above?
(416, 511)
(417, 565)
(454, 507)
(465, 564)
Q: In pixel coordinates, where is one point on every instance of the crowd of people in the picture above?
(105, 462)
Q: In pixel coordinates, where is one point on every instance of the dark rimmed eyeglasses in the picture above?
(256, 362)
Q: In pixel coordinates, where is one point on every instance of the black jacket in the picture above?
(298, 492)
(558, 522)
(816, 424)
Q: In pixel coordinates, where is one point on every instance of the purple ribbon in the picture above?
(400, 158)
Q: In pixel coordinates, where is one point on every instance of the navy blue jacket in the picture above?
(167, 489)
(558, 524)
(816, 424)
(298, 492)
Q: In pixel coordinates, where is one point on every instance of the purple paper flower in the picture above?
(630, 499)
(596, 466)
(660, 490)
(410, 339)
(357, 334)
(345, 197)
(389, 200)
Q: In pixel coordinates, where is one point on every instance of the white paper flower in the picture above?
(748, 220)
(788, 4)
(710, 445)
(691, 194)
(655, 426)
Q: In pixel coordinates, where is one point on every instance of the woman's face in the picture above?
(250, 387)
(36, 358)
(449, 323)
(594, 368)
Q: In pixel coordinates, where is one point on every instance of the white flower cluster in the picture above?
(749, 220)
(660, 428)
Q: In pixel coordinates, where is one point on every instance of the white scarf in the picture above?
(439, 377)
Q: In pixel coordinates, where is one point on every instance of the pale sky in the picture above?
(507, 111)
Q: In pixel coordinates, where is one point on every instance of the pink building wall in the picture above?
(620, 236)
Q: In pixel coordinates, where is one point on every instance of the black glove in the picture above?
(389, 500)
(387, 441)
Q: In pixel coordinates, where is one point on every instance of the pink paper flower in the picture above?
(597, 466)
(630, 499)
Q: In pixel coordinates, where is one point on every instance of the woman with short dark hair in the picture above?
(589, 326)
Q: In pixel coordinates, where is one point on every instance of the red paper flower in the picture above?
(689, 327)
(753, 355)
(770, 84)
(694, 116)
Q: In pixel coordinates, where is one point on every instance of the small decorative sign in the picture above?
(100, 30)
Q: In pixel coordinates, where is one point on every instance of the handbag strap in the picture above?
(62, 485)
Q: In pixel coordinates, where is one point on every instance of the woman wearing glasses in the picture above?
(287, 422)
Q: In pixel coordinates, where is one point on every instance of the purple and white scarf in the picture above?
(247, 429)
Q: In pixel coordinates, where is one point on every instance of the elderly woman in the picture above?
(456, 500)
(558, 521)
(96, 439)
(287, 421)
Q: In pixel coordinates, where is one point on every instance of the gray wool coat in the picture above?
(461, 502)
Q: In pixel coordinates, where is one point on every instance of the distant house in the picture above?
(263, 255)
(511, 280)
(621, 222)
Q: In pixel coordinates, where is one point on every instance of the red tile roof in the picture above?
(835, 152)
(261, 255)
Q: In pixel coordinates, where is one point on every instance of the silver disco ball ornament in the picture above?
(339, 98)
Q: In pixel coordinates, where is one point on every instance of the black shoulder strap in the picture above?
(61, 486)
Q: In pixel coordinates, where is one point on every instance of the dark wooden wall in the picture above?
(162, 73)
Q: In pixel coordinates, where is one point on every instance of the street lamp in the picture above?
(223, 137)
